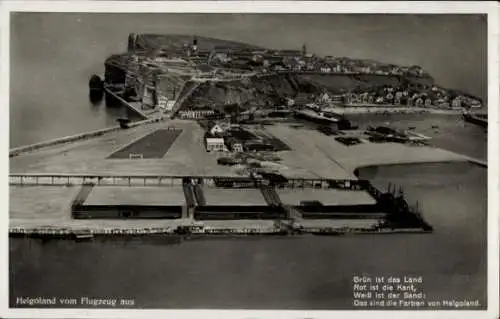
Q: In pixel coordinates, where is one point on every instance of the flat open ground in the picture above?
(41, 203)
(338, 223)
(147, 195)
(325, 196)
(317, 155)
(268, 138)
(153, 145)
(50, 206)
(313, 155)
(187, 155)
(236, 197)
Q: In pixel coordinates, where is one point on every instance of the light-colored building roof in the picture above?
(325, 196)
(215, 140)
(137, 195)
(233, 196)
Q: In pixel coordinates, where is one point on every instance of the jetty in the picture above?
(478, 119)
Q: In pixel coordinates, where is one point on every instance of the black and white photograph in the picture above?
(226, 160)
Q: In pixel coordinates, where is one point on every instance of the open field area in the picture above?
(236, 197)
(326, 197)
(187, 155)
(153, 145)
(50, 207)
(317, 155)
(137, 195)
(312, 154)
(41, 203)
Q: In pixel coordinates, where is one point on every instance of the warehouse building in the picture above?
(233, 203)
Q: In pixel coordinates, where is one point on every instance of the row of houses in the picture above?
(396, 98)
(303, 61)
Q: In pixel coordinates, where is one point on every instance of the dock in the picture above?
(188, 205)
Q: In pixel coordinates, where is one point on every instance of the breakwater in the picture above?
(77, 137)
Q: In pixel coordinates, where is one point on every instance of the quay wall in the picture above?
(78, 137)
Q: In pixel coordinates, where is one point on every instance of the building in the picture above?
(217, 130)
(237, 147)
(456, 102)
(196, 114)
(419, 102)
(215, 144)
(294, 65)
(325, 68)
(325, 98)
(389, 97)
(123, 205)
(475, 104)
(219, 127)
(215, 203)
(324, 203)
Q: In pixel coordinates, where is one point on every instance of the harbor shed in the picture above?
(233, 203)
(323, 203)
(138, 202)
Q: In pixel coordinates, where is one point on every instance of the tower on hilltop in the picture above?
(304, 49)
(195, 44)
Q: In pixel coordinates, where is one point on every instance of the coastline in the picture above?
(364, 109)
(77, 137)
